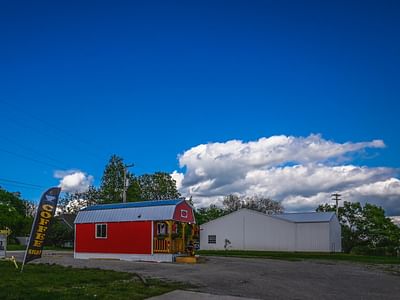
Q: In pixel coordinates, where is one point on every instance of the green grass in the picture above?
(14, 247)
(297, 256)
(42, 282)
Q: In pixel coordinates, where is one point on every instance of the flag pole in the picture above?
(30, 236)
(46, 208)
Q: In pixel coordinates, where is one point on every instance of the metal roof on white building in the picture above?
(310, 217)
(124, 212)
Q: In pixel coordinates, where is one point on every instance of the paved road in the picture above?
(260, 278)
(185, 295)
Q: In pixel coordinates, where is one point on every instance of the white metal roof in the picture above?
(164, 212)
(310, 217)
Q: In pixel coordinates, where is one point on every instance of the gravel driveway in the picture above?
(259, 278)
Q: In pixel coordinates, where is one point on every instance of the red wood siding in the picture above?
(122, 237)
(178, 213)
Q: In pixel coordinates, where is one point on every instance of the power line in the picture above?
(19, 186)
(44, 128)
(21, 183)
(59, 164)
(50, 125)
(52, 136)
(30, 158)
(8, 185)
(31, 150)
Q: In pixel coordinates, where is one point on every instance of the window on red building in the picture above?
(101, 231)
(184, 213)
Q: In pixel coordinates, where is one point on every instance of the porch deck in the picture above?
(173, 238)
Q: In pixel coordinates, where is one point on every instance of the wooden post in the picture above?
(183, 237)
(191, 231)
(169, 223)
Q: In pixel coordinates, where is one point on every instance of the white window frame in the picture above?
(210, 240)
(184, 213)
(101, 237)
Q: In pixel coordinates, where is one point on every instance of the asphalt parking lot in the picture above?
(259, 278)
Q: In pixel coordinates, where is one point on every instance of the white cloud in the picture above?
(74, 180)
(178, 177)
(396, 220)
(302, 172)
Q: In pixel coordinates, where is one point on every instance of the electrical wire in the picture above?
(21, 183)
(30, 158)
(12, 183)
(8, 185)
(32, 150)
(51, 125)
(45, 129)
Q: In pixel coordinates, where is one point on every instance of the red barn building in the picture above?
(149, 231)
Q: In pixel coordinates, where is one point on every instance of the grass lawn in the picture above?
(296, 256)
(40, 281)
(14, 247)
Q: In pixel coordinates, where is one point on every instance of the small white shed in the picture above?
(251, 230)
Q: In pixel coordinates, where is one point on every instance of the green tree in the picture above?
(232, 203)
(58, 233)
(112, 182)
(134, 192)
(14, 213)
(378, 234)
(157, 186)
(265, 205)
(71, 203)
(12, 200)
(350, 216)
(206, 214)
(366, 230)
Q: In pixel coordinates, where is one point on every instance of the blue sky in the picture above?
(151, 80)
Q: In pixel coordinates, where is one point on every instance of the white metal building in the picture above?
(250, 230)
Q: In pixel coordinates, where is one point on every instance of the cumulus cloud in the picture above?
(396, 220)
(302, 172)
(178, 177)
(73, 180)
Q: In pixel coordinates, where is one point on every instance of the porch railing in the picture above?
(165, 246)
(161, 246)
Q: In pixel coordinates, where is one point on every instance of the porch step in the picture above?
(187, 259)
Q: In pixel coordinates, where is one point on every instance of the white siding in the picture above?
(335, 234)
(263, 232)
(247, 230)
(250, 230)
(228, 227)
(312, 237)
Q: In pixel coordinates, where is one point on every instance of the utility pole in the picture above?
(125, 182)
(336, 197)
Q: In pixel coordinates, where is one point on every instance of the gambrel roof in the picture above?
(131, 211)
